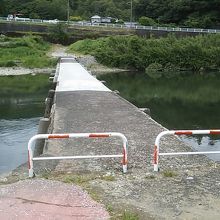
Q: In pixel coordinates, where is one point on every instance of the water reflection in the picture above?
(204, 143)
(21, 105)
(183, 102)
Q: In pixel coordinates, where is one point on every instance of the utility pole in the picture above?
(131, 14)
(68, 11)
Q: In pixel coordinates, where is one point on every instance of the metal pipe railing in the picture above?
(180, 132)
(76, 135)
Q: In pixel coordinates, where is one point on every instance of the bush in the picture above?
(154, 70)
(9, 63)
(189, 53)
(120, 21)
(76, 18)
(59, 33)
(146, 21)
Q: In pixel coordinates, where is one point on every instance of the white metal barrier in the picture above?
(139, 27)
(180, 132)
(75, 135)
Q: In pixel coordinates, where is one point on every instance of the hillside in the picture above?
(191, 13)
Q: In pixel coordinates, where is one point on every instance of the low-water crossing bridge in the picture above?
(185, 188)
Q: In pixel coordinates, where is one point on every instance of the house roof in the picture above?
(96, 17)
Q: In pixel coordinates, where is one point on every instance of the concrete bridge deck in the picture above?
(192, 191)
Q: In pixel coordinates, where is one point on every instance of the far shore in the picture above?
(87, 61)
(15, 71)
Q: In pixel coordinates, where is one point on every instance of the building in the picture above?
(96, 19)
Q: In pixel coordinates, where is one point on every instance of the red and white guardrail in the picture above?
(180, 132)
(75, 135)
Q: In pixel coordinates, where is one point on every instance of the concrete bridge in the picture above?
(187, 187)
(83, 104)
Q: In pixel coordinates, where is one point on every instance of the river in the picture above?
(185, 101)
(21, 106)
(176, 103)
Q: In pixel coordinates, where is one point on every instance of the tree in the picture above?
(204, 13)
(146, 21)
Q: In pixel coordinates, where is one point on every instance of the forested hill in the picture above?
(191, 13)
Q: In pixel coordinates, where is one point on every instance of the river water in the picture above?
(14, 136)
(176, 103)
(186, 101)
(20, 112)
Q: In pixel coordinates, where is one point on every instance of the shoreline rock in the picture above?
(90, 63)
(15, 71)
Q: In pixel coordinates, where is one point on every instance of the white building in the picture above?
(96, 19)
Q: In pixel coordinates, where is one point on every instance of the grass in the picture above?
(169, 173)
(108, 178)
(122, 215)
(150, 177)
(78, 179)
(129, 216)
(83, 180)
(29, 51)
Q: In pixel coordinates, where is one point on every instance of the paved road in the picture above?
(44, 199)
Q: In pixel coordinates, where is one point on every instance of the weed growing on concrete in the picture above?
(121, 215)
(168, 173)
(109, 208)
(150, 177)
(77, 179)
(129, 216)
(108, 178)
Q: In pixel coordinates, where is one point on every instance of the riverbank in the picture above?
(91, 64)
(16, 71)
(168, 54)
(56, 51)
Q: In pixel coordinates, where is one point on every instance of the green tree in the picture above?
(146, 21)
(199, 13)
(59, 33)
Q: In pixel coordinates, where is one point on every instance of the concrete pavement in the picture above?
(48, 200)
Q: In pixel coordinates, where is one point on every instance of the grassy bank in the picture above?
(191, 53)
(28, 51)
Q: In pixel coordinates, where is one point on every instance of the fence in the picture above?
(180, 132)
(77, 135)
(121, 26)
